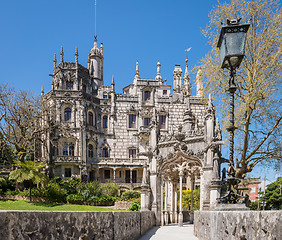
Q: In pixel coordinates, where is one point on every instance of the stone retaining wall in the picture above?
(242, 225)
(74, 225)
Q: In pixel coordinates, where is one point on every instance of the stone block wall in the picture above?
(74, 225)
(242, 225)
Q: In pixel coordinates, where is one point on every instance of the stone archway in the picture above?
(171, 172)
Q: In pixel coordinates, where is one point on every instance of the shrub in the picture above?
(75, 198)
(128, 195)
(7, 184)
(73, 185)
(54, 192)
(110, 189)
(134, 206)
(94, 188)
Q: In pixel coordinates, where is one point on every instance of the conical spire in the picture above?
(62, 54)
(42, 91)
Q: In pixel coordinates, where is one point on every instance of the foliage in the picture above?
(55, 192)
(6, 184)
(134, 206)
(110, 189)
(186, 199)
(75, 198)
(128, 195)
(254, 206)
(273, 195)
(258, 80)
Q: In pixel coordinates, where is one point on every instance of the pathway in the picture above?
(170, 232)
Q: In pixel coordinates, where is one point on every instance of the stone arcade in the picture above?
(149, 137)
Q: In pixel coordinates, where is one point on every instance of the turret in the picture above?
(95, 64)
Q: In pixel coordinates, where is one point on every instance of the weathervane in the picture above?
(187, 50)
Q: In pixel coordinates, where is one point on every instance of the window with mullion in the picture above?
(147, 122)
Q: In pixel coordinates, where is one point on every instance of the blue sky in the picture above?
(147, 31)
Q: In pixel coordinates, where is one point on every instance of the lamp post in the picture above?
(231, 45)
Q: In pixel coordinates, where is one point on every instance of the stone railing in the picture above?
(75, 225)
(120, 160)
(254, 225)
(67, 159)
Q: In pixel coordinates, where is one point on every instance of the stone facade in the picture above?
(255, 225)
(150, 137)
(74, 225)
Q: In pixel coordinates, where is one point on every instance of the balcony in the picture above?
(120, 161)
(67, 159)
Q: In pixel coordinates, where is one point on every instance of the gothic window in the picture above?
(132, 152)
(105, 152)
(84, 88)
(68, 149)
(71, 149)
(164, 92)
(67, 172)
(90, 119)
(105, 121)
(69, 85)
(162, 122)
(132, 121)
(90, 151)
(147, 122)
(65, 149)
(67, 114)
(147, 95)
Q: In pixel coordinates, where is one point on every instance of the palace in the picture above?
(151, 137)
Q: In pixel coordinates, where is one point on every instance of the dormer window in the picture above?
(105, 152)
(69, 85)
(164, 92)
(147, 95)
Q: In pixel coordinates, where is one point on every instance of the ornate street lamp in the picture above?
(231, 45)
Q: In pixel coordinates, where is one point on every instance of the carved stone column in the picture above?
(166, 202)
(162, 203)
(180, 217)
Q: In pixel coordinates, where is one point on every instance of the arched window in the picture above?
(65, 149)
(68, 149)
(105, 121)
(90, 119)
(67, 114)
(105, 152)
(90, 151)
(147, 122)
(69, 85)
(71, 149)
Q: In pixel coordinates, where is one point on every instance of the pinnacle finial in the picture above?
(137, 69)
(101, 48)
(158, 71)
(113, 80)
(210, 101)
(42, 91)
(76, 55)
(62, 54)
(55, 60)
(95, 42)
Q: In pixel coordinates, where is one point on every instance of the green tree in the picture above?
(258, 96)
(28, 171)
(273, 195)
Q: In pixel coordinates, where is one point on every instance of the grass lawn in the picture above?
(43, 206)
